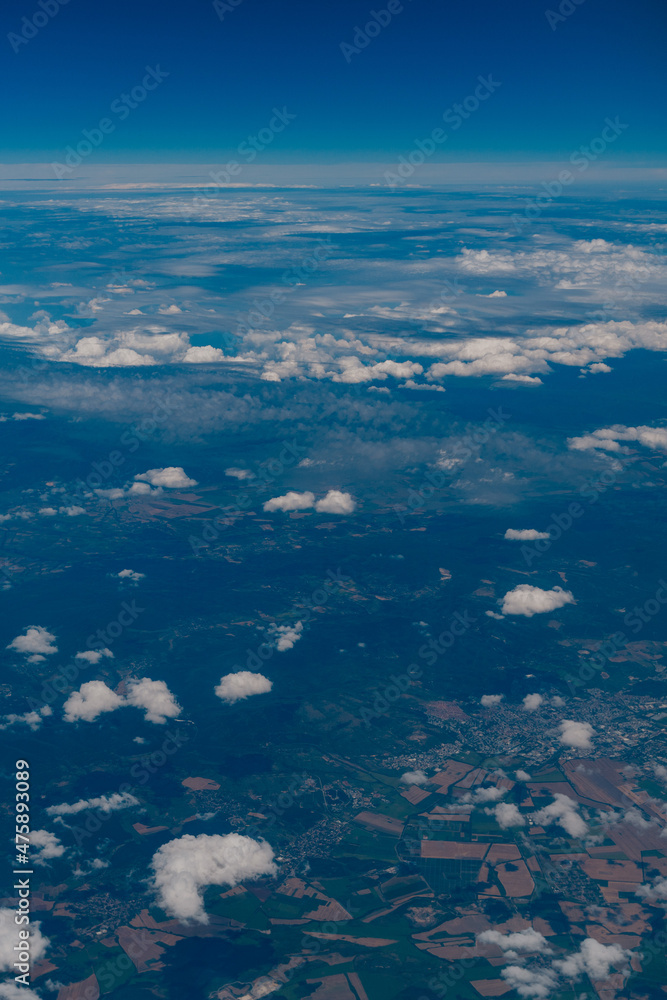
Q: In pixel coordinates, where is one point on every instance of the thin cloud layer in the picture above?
(102, 803)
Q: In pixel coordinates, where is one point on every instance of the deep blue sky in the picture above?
(606, 59)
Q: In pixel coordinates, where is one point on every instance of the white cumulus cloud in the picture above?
(155, 697)
(93, 655)
(243, 684)
(44, 846)
(184, 867)
(9, 938)
(291, 501)
(285, 636)
(525, 534)
(527, 600)
(414, 778)
(173, 477)
(532, 702)
(91, 700)
(507, 815)
(36, 641)
(516, 942)
(532, 984)
(490, 700)
(336, 502)
(562, 811)
(132, 575)
(594, 960)
(576, 734)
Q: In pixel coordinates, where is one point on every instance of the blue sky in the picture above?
(559, 81)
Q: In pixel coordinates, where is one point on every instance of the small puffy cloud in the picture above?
(562, 811)
(576, 734)
(656, 892)
(155, 697)
(489, 793)
(44, 846)
(93, 655)
(243, 684)
(239, 473)
(594, 960)
(90, 701)
(9, 938)
(492, 295)
(203, 355)
(507, 815)
(414, 778)
(336, 502)
(141, 489)
(173, 477)
(599, 368)
(522, 775)
(525, 534)
(184, 867)
(35, 642)
(169, 310)
(291, 501)
(532, 984)
(285, 636)
(32, 720)
(491, 700)
(113, 494)
(527, 600)
(517, 942)
(524, 379)
(660, 772)
(103, 803)
(532, 702)
(47, 511)
(130, 574)
(72, 511)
